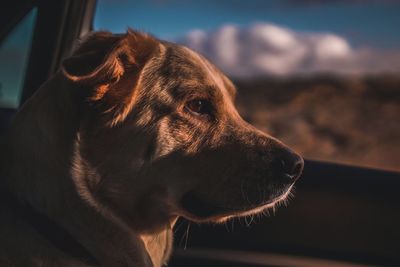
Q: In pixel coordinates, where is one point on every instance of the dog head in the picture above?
(160, 136)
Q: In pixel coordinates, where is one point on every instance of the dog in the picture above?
(129, 135)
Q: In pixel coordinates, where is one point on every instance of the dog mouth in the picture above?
(198, 209)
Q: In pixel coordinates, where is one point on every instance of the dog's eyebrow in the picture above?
(189, 89)
(215, 75)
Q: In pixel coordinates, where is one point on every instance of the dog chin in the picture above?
(200, 211)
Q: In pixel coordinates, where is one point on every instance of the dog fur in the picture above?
(129, 135)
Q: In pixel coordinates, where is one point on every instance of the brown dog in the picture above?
(132, 133)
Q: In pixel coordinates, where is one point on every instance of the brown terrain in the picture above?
(353, 120)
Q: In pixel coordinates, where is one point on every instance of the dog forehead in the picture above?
(210, 72)
(194, 71)
(213, 74)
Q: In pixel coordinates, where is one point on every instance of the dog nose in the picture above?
(291, 165)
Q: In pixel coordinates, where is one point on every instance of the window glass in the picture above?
(323, 76)
(14, 56)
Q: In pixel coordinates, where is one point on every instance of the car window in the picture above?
(323, 76)
(14, 56)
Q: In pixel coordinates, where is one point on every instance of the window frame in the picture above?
(58, 26)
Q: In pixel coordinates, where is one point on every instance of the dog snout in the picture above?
(289, 165)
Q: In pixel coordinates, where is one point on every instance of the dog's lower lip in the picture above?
(196, 206)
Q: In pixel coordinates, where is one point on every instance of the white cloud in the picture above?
(265, 48)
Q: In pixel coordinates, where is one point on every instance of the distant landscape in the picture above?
(353, 120)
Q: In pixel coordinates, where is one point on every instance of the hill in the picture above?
(354, 120)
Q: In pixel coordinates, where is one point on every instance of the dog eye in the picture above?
(199, 106)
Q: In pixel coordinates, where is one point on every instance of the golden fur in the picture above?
(129, 135)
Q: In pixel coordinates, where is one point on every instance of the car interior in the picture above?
(342, 215)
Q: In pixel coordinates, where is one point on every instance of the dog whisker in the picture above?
(187, 236)
(179, 226)
(226, 226)
(252, 218)
(242, 191)
(184, 237)
(245, 220)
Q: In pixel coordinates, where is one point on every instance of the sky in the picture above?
(363, 22)
(248, 38)
(285, 36)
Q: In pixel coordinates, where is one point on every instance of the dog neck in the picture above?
(37, 149)
(159, 245)
(37, 146)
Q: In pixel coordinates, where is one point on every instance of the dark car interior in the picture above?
(341, 214)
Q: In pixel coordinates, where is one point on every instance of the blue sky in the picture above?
(363, 23)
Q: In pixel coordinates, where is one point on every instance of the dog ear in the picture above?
(104, 57)
(102, 63)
